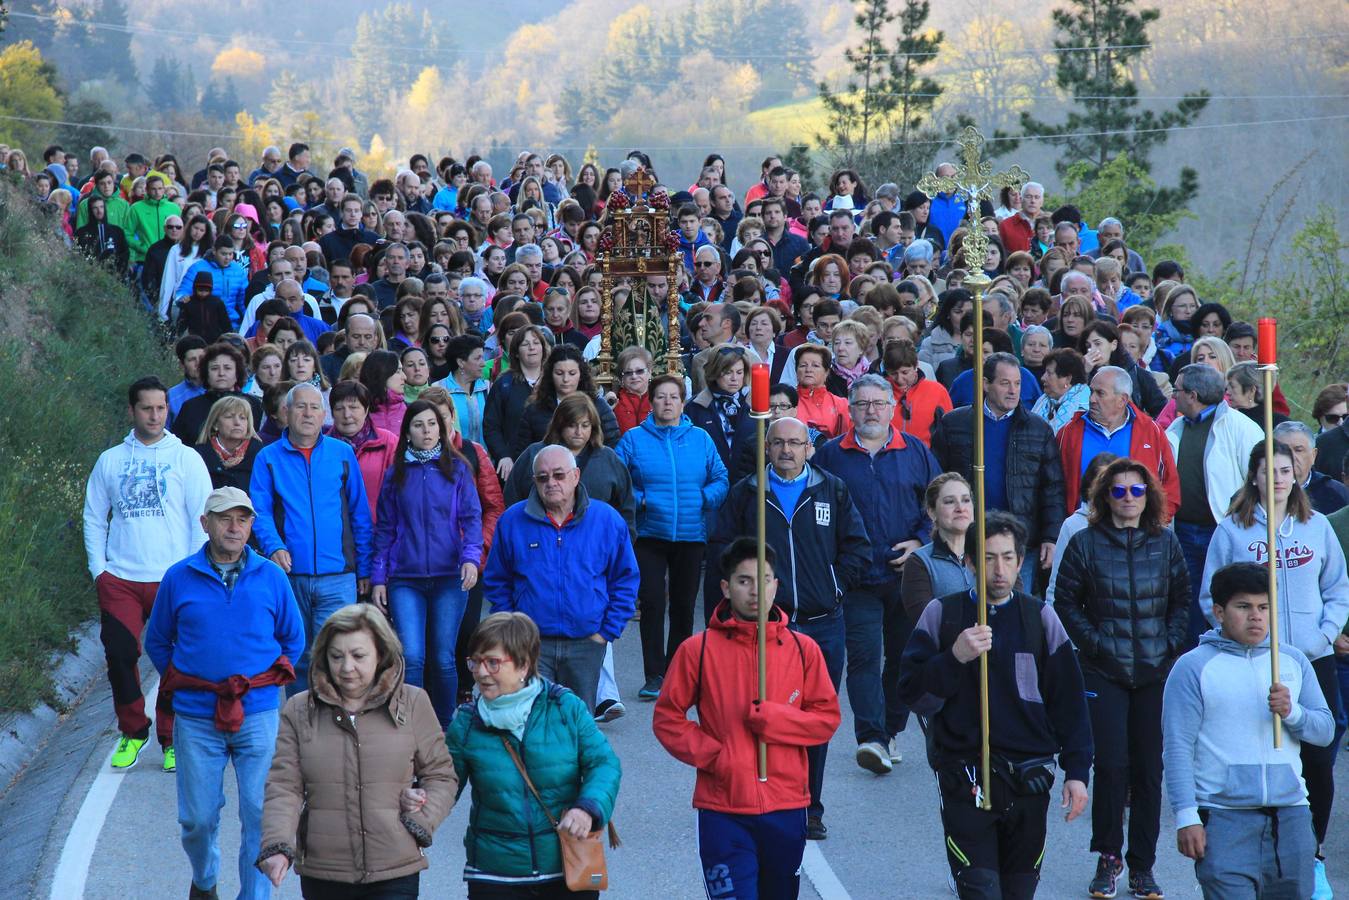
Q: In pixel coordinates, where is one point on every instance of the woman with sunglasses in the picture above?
(1123, 593)
(1331, 412)
(1313, 593)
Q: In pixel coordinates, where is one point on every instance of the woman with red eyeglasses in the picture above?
(1123, 593)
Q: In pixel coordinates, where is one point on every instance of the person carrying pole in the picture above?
(751, 831)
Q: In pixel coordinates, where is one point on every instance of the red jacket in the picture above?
(916, 408)
(717, 671)
(631, 409)
(823, 410)
(490, 497)
(1147, 444)
(1016, 233)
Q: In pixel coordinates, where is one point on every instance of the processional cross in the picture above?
(639, 184)
(976, 179)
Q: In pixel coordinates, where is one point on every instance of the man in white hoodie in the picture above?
(142, 513)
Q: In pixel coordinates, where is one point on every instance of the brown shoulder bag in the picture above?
(582, 858)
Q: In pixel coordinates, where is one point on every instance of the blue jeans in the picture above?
(877, 630)
(1194, 541)
(1030, 568)
(203, 753)
(426, 614)
(318, 596)
(829, 632)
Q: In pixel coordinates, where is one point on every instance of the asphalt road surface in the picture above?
(73, 828)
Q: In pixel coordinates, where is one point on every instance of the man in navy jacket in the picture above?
(567, 562)
(887, 473)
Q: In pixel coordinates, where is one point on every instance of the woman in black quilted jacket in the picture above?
(1122, 593)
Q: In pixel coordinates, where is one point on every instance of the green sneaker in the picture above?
(128, 751)
(170, 760)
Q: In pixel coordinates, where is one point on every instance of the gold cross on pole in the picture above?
(639, 184)
(975, 179)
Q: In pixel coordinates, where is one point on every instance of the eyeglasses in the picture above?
(872, 404)
(634, 373)
(438, 340)
(706, 263)
(240, 226)
(491, 663)
(762, 254)
(1137, 490)
(544, 477)
(1333, 418)
(780, 407)
(779, 443)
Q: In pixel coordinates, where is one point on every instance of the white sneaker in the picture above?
(873, 757)
(896, 755)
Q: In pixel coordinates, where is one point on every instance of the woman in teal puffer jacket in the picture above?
(678, 481)
(512, 849)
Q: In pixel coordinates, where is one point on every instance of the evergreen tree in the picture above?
(392, 47)
(220, 100)
(171, 87)
(79, 139)
(1100, 42)
(878, 122)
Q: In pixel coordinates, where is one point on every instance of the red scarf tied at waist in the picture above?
(229, 707)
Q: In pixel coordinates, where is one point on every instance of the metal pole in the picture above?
(977, 283)
(760, 426)
(1271, 556)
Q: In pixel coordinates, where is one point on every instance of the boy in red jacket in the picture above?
(751, 833)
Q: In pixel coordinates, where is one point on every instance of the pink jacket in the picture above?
(374, 458)
(390, 414)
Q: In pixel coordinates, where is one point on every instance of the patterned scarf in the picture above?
(728, 408)
(849, 374)
(360, 438)
(229, 459)
(414, 455)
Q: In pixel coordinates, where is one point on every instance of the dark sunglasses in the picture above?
(1118, 490)
(1333, 418)
(705, 264)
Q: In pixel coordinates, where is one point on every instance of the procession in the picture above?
(567, 524)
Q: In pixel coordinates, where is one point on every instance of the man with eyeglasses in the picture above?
(821, 544)
(1023, 471)
(567, 562)
(1211, 445)
(152, 272)
(887, 474)
(707, 285)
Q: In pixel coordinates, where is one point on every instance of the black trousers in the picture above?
(392, 889)
(553, 890)
(1126, 726)
(994, 854)
(472, 616)
(681, 563)
(1318, 763)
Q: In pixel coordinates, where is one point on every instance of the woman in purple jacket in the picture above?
(428, 551)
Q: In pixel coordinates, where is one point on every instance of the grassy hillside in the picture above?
(71, 339)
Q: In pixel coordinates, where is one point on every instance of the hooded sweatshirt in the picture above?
(155, 495)
(118, 210)
(1217, 732)
(1313, 587)
(147, 218)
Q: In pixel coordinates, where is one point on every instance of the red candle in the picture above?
(1268, 341)
(758, 388)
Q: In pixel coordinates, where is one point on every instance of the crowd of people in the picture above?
(382, 535)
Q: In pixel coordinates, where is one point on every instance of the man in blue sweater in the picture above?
(222, 633)
(1241, 805)
(313, 518)
(567, 562)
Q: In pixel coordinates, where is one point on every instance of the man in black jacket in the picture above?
(1023, 469)
(152, 272)
(338, 244)
(821, 546)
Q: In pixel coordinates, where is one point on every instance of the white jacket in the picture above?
(1226, 454)
(143, 507)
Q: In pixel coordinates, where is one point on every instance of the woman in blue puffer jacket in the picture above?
(677, 478)
(428, 550)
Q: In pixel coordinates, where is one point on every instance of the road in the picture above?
(884, 833)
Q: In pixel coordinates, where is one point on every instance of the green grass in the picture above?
(71, 339)
(789, 123)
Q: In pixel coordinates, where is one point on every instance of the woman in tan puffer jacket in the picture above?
(350, 753)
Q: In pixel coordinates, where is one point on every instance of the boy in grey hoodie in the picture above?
(1241, 805)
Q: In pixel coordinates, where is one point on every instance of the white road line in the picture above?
(816, 868)
(72, 869)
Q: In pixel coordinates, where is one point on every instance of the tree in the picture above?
(220, 101)
(1099, 44)
(171, 88)
(392, 46)
(81, 138)
(27, 91)
(879, 123)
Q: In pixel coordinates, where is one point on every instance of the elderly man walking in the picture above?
(567, 562)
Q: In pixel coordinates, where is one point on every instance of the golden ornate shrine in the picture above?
(637, 243)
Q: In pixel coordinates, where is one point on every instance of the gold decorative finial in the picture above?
(974, 178)
(639, 183)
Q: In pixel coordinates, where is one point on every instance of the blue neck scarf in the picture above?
(510, 712)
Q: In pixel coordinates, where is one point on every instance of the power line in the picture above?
(453, 51)
(702, 147)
